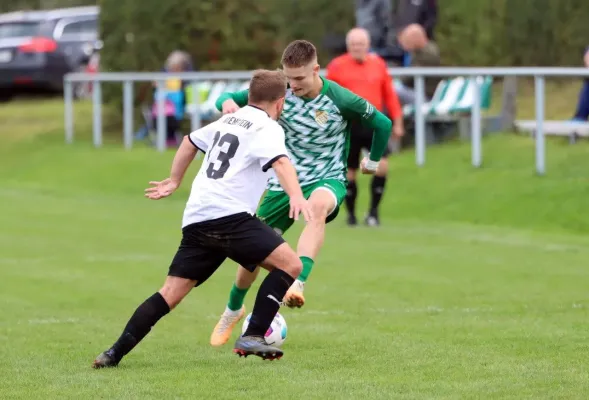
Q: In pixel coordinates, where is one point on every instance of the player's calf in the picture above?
(377, 188)
(285, 266)
(323, 202)
(143, 319)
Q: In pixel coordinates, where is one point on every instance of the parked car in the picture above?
(83, 90)
(37, 48)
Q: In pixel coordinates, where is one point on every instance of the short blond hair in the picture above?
(266, 86)
(299, 54)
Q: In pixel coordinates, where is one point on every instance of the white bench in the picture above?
(571, 129)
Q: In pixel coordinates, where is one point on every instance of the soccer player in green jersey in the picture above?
(316, 120)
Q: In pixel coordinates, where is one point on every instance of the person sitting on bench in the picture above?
(582, 113)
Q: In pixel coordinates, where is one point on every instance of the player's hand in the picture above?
(159, 190)
(229, 107)
(300, 205)
(398, 130)
(364, 169)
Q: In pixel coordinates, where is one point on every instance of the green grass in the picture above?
(474, 287)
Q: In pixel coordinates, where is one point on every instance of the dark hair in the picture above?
(298, 54)
(266, 86)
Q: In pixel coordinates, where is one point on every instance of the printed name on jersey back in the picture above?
(233, 177)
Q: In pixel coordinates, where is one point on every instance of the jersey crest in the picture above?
(321, 117)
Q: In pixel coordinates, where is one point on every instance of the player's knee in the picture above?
(321, 209)
(170, 296)
(175, 289)
(294, 266)
(319, 216)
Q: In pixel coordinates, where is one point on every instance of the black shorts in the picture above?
(206, 245)
(361, 138)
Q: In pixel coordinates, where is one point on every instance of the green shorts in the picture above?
(276, 204)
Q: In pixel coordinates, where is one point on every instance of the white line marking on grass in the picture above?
(17, 261)
(473, 233)
(432, 310)
(409, 310)
(122, 258)
(104, 258)
(46, 321)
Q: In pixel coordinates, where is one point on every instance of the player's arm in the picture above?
(380, 138)
(239, 98)
(184, 155)
(271, 152)
(357, 108)
(287, 176)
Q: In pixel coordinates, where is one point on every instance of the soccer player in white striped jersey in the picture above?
(316, 120)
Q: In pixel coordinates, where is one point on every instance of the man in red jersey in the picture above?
(366, 75)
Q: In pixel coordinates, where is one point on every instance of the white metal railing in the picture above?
(127, 79)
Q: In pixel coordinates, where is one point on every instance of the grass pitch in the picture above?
(474, 287)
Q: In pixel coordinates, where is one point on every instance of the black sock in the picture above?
(351, 194)
(268, 301)
(377, 187)
(144, 317)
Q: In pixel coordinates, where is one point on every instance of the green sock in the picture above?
(307, 267)
(236, 297)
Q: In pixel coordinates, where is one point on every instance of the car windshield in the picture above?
(18, 29)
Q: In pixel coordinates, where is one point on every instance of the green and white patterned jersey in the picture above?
(317, 131)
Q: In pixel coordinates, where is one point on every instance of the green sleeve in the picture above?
(238, 97)
(382, 126)
(354, 107)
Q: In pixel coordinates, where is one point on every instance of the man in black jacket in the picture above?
(384, 19)
(422, 12)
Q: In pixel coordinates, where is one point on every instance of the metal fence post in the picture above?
(161, 117)
(195, 121)
(419, 120)
(540, 148)
(128, 114)
(96, 113)
(475, 118)
(68, 105)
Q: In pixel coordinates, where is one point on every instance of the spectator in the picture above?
(366, 75)
(175, 96)
(582, 113)
(174, 99)
(424, 53)
(383, 19)
(421, 12)
(376, 16)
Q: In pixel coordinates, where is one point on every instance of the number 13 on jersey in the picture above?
(226, 146)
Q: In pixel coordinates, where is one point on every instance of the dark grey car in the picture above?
(38, 47)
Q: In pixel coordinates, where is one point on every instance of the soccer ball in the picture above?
(276, 334)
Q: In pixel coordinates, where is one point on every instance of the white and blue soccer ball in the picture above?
(276, 334)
